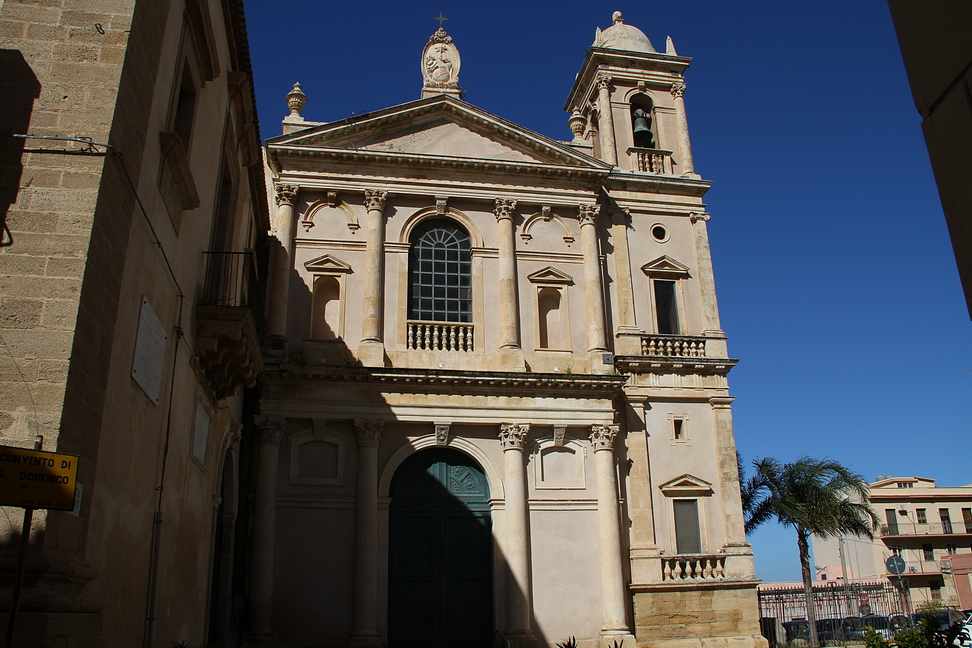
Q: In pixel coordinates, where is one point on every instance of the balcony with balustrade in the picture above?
(653, 161)
(652, 353)
(229, 322)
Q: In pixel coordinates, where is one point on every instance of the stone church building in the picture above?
(496, 410)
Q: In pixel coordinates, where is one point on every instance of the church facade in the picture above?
(495, 409)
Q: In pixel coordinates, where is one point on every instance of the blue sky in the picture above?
(837, 284)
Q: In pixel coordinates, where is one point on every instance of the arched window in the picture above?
(440, 272)
(641, 109)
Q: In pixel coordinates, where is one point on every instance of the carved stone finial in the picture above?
(504, 209)
(602, 436)
(368, 431)
(375, 199)
(442, 434)
(513, 435)
(670, 47)
(577, 122)
(270, 429)
(617, 18)
(678, 90)
(296, 100)
(587, 214)
(286, 194)
(700, 216)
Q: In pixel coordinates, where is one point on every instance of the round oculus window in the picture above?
(659, 233)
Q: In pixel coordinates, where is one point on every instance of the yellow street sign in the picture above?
(37, 479)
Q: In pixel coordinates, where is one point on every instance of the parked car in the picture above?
(964, 637)
(945, 617)
(830, 630)
(796, 631)
(852, 628)
(881, 624)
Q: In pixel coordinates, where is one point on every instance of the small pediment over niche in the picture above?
(550, 275)
(327, 263)
(665, 266)
(686, 485)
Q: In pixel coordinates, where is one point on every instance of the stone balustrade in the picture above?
(694, 567)
(644, 160)
(440, 336)
(673, 346)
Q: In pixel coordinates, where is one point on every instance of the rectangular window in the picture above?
(927, 553)
(897, 550)
(951, 548)
(185, 108)
(935, 587)
(891, 516)
(922, 516)
(202, 421)
(946, 520)
(677, 429)
(688, 537)
(967, 519)
(666, 307)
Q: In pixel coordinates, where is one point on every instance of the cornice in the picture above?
(395, 160)
(445, 380)
(674, 365)
(617, 61)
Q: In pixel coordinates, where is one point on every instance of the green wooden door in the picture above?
(440, 546)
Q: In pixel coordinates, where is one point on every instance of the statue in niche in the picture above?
(641, 126)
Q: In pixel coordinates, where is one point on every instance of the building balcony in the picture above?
(654, 161)
(654, 353)
(905, 529)
(440, 336)
(228, 316)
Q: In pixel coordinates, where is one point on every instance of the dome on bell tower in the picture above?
(622, 37)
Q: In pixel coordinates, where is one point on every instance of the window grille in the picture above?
(440, 273)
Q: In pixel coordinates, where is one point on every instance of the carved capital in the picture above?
(603, 82)
(442, 434)
(602, 436)
(700, 216)
(587, 214)
(375, 199)
(368, 431)
(678, 90)
(513, 435)
(504, 209)
(270, 429)
(286, 194)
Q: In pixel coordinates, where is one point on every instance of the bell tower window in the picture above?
(641, 121)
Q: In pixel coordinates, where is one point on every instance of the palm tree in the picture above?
(818, 497)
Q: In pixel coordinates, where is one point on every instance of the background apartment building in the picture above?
(929, 527)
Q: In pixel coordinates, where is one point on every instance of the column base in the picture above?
(511, 359)
(259, 641)
(365, 641)
(522, 640)
(617, 639)
(596, 361)
(371, 353)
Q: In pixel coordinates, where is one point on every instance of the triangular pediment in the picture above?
(439, 127)
(550, 275)
(665, 266)
(327, 263)
(686, 485)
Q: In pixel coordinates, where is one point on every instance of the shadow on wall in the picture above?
(20, 88)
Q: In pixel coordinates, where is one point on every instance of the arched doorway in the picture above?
(440, 553)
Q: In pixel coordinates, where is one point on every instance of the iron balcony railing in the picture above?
(233, 280)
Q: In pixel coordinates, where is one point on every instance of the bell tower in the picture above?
(627, 103)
